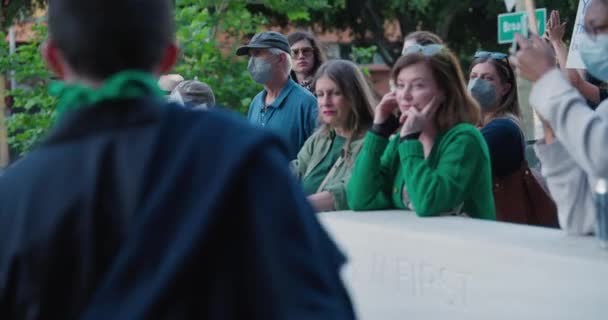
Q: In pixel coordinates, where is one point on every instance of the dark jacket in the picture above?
(506, 144)
(136, 210)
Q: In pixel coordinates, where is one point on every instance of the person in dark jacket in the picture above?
(493, 84)
(135, 209)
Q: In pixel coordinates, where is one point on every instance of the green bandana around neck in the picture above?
(123, 85)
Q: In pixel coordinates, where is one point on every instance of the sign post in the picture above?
(511, 23)
(530, 8)
(508, 25)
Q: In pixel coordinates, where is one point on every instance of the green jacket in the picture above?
(456, 172)
(312, 153)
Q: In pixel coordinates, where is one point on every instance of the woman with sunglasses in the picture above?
(325, 161)
(307, 57)
(492, 83)
(437, 162)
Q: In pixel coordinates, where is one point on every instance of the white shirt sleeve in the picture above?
(570, 188)
(582, 131)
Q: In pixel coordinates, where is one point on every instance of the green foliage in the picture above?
(211, 60)
(465, 25)
(363, 55)
(12, 10)
(209, 31)
(32, 106)
(298, 10)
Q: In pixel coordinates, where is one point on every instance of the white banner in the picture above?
(404, 267)
(574, 58)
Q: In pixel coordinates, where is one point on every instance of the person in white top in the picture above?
(571, 152)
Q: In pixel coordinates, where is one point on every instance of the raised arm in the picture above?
(555, 32)
(581, 130)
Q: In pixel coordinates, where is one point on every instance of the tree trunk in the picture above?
(377, 29)
(4, 150)
(444, 24)
(448, 13)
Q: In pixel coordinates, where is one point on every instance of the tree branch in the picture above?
(447, 17)
(378, 34)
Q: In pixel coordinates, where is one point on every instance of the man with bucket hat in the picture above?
(283, 106)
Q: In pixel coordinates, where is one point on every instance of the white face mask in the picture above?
(595, 55)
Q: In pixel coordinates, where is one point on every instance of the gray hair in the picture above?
(276, 52)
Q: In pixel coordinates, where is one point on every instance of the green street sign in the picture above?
(511, 23)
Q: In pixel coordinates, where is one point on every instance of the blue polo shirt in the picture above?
(292, 115)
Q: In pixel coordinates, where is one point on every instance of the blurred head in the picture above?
(95, 39)
(494, 68)
(269, 57)
(306, 53)
(168, 82)
(422, 38)
(344, 97)
(425, 72)
(596, 18)
(193, 93)
(593, 47)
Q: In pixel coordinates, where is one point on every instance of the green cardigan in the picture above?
(314, 151)
(457, 171)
